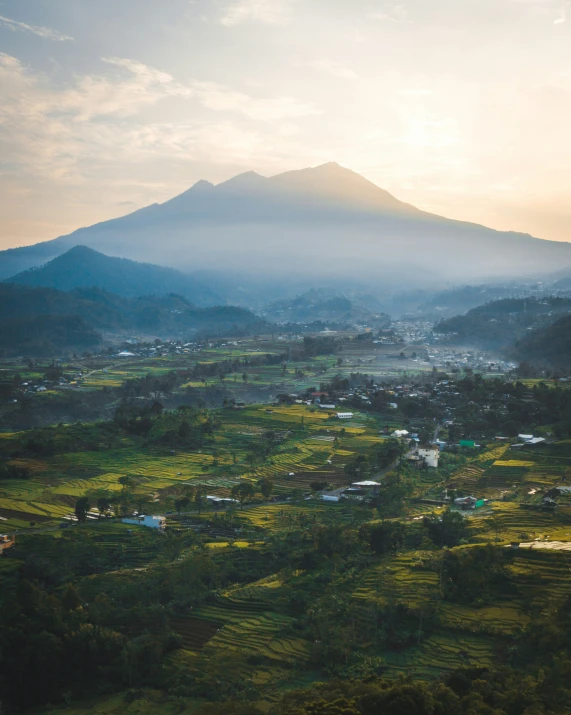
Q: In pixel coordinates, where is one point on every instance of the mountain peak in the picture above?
(335, 184)
(80, 252)
(202, 185)
(330, 165)
(246, 180)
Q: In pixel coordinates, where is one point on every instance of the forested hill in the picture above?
(327, 305)
(42, 321)
(501, 322)
(550, 344)
(82, 267)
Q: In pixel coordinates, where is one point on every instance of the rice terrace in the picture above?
(299, 545)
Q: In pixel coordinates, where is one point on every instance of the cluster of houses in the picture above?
(527, 440)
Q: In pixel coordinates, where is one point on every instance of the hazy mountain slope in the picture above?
(549, 344)
(328, 306)
(500, 322)
(320, 222)
(83, 267)
(47, 335)
(28, 314)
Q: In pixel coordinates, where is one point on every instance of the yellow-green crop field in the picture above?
(56, 482)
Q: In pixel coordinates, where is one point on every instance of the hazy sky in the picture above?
(461, 107)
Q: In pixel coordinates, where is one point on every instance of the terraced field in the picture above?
(195, 632)
(56, 482)
(404, 576)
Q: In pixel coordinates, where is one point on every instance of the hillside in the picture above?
(326, 306)
(465, 298)
(41, 321)
(550, 344)
(47, 335)
(321, 222)
(83, 267)
(500, 322)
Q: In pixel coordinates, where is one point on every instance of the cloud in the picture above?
(392, 13)
(68, 134)
(38, 30)
(562, 19)
(134, 86)
(220, 98)
(332, 67)
(267, 12)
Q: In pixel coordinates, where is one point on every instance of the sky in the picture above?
(460, 107)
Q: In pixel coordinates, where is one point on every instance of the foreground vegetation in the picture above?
(397, 602)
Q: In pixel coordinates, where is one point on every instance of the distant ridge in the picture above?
(46, 321)
(325, 222)
(83, 267)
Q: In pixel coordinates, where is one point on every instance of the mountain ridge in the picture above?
(326, 221)
(84, 267)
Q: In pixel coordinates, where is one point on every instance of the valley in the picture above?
(278, 588)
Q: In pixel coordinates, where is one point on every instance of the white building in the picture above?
(400, 434)
(530, 439)
(368, 487)
(430, 454)
(221, 500)
(344, 415)
(153, 522)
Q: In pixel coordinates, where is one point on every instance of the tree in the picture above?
(447, 530)
(200, 498)
(252, 458)
(266, 487)
(242, 491)
(70, 599)
(127, 482)
(181, 503)
(384, 537)
(156, 409)
(103, 499)
(82, 506)
(318, 485)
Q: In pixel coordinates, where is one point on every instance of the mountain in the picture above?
(43, 321)
(83, 267)
(499, 323)
(314, 223)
